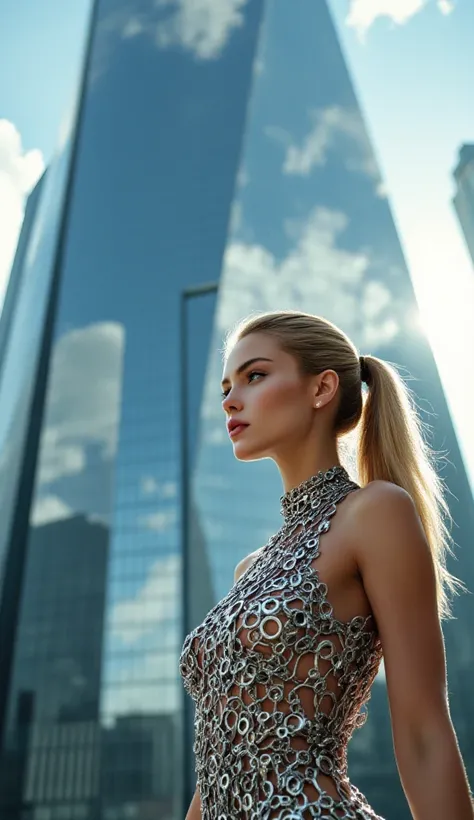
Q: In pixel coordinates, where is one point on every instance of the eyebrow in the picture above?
(246, 364)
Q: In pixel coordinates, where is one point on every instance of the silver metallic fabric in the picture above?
(278, 682)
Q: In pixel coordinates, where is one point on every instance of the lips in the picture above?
(236, 427)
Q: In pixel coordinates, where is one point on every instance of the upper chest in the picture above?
(297, 582)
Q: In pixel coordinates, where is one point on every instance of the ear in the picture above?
(325, 388)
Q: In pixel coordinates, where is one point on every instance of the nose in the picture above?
(232, 402)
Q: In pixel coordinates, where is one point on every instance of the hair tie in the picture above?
(364, 370)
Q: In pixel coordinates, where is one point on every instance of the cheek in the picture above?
(278, 397)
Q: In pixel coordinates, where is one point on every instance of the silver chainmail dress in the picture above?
(279, 682)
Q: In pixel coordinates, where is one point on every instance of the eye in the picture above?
(254, 373)
(250, 379)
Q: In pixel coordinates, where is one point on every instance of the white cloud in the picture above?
(377, 297)
(446, 6)
(201, 26)
(159, 521)
(155, 602)
(148, 692)
(132, 28)
(168, 489)
(19, 172)
(139, 685)
(363, 13)
(58, 457)
(316, 275)
(84, 399)
(150, 486)
(50, 508)
(330, 125)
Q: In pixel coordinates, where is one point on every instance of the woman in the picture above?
(281, 667)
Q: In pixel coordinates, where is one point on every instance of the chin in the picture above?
(243, 456)
(247, 454)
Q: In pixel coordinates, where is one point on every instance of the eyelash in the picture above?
(224, 394)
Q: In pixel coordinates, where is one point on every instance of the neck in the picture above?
(300, 466)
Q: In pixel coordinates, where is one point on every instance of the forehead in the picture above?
(253, 345)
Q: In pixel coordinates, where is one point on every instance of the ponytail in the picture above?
(392, 447)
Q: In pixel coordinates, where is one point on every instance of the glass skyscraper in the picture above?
(219, 145)
(464, 197)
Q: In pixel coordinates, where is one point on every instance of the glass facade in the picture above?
(224, 145)
(463, 200)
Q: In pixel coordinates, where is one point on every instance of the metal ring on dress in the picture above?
(225, 781)
(294, 785)
(270, 605)
(290, 563)
(247, 802)
(269, 636)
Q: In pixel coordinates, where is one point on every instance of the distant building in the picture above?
(52, 739)
(139, 778)
(464, 198)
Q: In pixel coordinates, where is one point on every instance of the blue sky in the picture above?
(40, 49)
(412, 64)
(40, 54)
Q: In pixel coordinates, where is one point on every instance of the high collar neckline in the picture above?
(310, 496)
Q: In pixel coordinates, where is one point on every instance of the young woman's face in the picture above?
(264, 391)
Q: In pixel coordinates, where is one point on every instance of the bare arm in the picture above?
(398, 573)
(194, 811)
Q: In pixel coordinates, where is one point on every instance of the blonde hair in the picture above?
(391, 444)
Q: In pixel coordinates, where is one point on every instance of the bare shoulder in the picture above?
(379, 502)
(245, 563)
(377, 492)
(384, 515)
